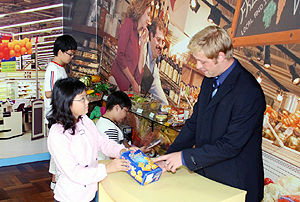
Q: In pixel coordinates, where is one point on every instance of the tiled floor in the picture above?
(22, 150)
(22, 146)
(26, 182)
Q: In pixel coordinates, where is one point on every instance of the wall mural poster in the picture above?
(256, 22)
(264, 20)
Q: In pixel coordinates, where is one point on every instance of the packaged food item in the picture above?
(177, 114)
(143, 169)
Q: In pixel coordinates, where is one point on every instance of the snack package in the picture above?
(143, 169)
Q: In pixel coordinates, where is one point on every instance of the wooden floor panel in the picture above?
(28, 182)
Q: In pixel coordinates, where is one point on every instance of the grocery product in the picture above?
(142, 168)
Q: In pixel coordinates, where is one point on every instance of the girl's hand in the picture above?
(127, 149)
(118, 165)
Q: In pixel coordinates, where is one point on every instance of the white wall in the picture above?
(184, 20)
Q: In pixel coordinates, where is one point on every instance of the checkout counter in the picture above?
(10, 125)
(181, 186)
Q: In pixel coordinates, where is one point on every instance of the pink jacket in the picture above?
(76, 158)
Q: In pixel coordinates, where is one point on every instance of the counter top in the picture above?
(181, 186)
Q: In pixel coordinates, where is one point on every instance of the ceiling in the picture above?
(279, 69)
(47, 19)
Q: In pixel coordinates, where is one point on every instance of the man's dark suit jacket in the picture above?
(227, 133)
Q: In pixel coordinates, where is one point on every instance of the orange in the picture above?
(23, 50)
(10, 45)
(29, 51)
(17, 48)
(12, 53)
(15, 42)
(28, 45)
(22, 43)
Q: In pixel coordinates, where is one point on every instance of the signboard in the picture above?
(8, 66)
(265, 22)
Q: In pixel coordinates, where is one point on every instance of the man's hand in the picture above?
(172, 161)
(136, 87)
(144, 37)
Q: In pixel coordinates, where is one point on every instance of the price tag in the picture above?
(105, 97)
(151, 115)
(139, 111)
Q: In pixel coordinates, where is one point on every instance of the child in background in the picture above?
(74, 142)
(117, 106)
(63, 50)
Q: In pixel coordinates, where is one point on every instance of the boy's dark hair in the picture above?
(64, 43)
(62, 97)
(118, 98)
(156, 23)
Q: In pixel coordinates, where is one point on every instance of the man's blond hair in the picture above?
(212, 40)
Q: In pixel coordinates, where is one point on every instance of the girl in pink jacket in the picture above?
(74, 142)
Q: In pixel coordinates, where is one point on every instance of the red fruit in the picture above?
(268, 181)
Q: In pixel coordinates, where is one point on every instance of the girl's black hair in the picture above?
(62, 97)
(64, 43)
(118, 98)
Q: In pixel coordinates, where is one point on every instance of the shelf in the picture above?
(84, 29)
(108, 72)
(85, 66)
(170, 81)
(113, 52)
(83, 73)
(77, 57)
(92, 31)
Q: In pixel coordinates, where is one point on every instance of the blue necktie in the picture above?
(216, 85)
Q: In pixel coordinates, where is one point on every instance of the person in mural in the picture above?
(151, 79)
(222, 139)
(127, 68)
(64, 49)
(74, 142)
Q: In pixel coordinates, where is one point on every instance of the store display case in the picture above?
(107, 56)
(85, 62)
(27, 88)
(8, 89)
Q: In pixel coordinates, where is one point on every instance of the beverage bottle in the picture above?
(171, 68)
(175, 72)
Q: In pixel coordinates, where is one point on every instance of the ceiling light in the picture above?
(32, 10)
(52, 36)
(47, 50)
(267, 61)
(295, 76)
(42, 43)
(31, 23)
(194, 5)
(43, 47)
(279, 95)
(215, 15)
(38, 31)
(259, 78)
